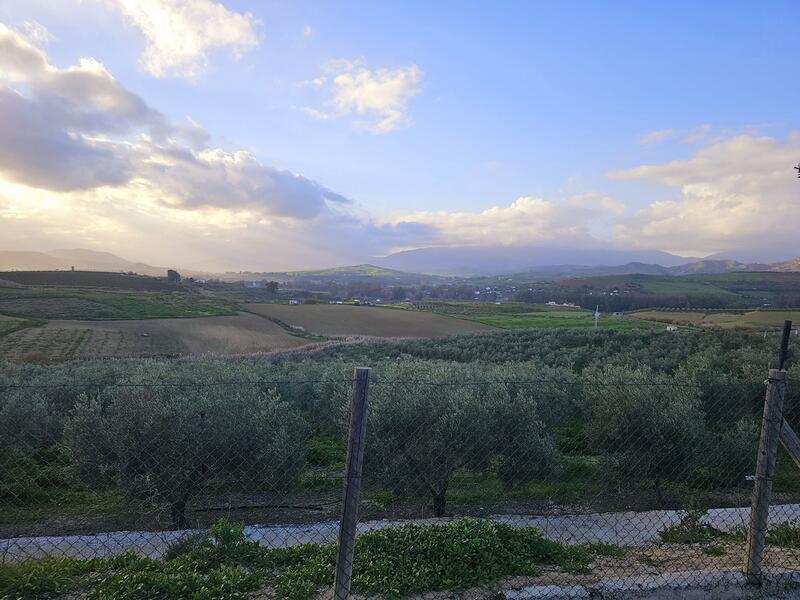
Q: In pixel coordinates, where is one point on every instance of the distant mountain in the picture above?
(80, 258)
(701, 267)
(727, 266)
(754, 256)
(495, 260)
(365, 272)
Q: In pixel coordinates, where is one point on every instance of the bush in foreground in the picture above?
(227, 565)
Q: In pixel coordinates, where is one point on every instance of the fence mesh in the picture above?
(480, 488)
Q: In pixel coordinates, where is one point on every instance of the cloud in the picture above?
(180, 34)
(735, 194)
(659, 135)
(308, 31)
(378, 99)
(527, 220)
(79, 129)
(37, 32)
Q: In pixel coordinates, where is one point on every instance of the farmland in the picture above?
(328, 319)
(107, 304)
(64, 339)
(557, 319)
(756, 319)
(90, 279)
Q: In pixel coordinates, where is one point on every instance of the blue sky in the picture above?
(508, 101)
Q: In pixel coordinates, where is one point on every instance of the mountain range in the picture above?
(65, 259)
(459, 262)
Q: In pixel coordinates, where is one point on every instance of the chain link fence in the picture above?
(471, 487)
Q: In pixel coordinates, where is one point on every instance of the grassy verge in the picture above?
(225, 564)
(301, 333)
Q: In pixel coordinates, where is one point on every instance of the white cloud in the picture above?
(378, 98)
(527, 220)
(180, 34)
(740, 193)
(308, 31)
(37, 33)
(660, 135)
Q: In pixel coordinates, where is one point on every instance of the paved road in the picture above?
(620, 528)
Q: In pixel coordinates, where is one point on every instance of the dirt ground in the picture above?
(236, 334)
(335, 319)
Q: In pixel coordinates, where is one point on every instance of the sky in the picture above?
(281, 135)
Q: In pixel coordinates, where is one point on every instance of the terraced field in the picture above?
(335, 319)
(65, 339)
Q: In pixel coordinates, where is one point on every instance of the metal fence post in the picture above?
(765, 469)
(352, 484)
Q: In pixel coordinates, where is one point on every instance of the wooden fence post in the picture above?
(352, 484)
(765, 469)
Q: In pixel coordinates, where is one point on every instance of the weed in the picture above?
(785, 534)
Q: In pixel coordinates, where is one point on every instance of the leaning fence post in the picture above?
(352, 484)
(765, 469)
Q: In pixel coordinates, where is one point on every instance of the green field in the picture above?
(91, 304)
(466, 307)
(11, 324)
(558, 319)
(90, 279)
(754, 319)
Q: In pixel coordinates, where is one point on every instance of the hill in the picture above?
(79, 258)
(491, 260)
(347, 274)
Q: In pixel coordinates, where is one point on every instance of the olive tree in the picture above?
(427, 421)
(164, 443)
(648, 426)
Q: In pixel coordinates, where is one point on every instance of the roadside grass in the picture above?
(291, 330)
(692, 530)
(226, 564)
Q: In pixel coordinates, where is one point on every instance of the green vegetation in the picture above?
(785, 534)
(166, 444)
(722, 319)
(490, 421)
(557, 319)
(88, 304)
(10, 324)
(224, 564)
(692, 530)
(466, 307)
(90, 279)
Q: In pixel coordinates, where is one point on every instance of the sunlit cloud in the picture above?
(377, 99)
(740, 193)
(181, 34)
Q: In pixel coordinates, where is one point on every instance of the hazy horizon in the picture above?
(277, 136)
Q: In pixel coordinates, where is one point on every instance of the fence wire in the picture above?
(476, 488)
